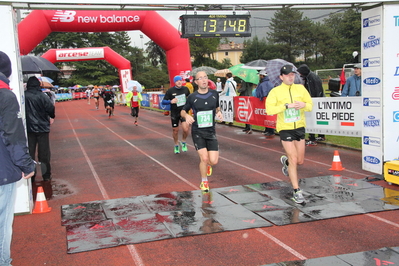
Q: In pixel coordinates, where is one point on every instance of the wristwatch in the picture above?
(286, 106)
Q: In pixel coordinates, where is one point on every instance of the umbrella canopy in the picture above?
(246, 74)
(45, 84)
(222, 72)
(259, 64)
(46, 79)
(208, 70)
(273, 71)
(132, 83)
(36, 65)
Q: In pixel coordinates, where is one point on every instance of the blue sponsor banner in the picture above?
(146, 100)
(161, 106)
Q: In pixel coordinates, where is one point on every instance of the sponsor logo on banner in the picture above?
(372, 62)
(372, 21)
(244, 109)
(80, 54)
(395, 94)
(397, 71)
(371, 121)
(372, 42)
(371, 159)
(396, 116)
(396, 21)
(372, 141)
(70, 16)
(393, 172)
(371, 81)
(372, 101)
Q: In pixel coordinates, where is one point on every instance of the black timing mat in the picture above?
(109, 223)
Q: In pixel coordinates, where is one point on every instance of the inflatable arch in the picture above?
(148, 22)
(95, 53)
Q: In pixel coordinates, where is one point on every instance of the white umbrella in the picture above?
(208, 70)
(259, 64)
(132, 83)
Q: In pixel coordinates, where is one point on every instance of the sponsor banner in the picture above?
(125, 75)
(146, 100)
(79, 54)
(373, 42)
(250, 110)
(226, 104)
(162, 106)
(391, 81)
(155, 101)
(335, 116)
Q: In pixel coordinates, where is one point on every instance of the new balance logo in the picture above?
(63, 16)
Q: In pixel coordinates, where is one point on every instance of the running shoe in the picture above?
(320, 139)
(204, 186)
(208, 170)
(177, 149)
(298, 197)
(249, 132)
(135, 122)
(311, 143)
(284, 162)
(183, 146)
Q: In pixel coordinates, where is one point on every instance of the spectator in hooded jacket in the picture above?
(14, 157)
(262, 91)
(314, 85)
(40, 112)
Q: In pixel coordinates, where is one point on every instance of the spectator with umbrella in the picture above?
(262, 91)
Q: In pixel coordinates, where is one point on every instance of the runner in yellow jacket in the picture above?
(133, 100)
(290, 102)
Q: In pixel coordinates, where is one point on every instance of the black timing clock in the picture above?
(203, 26)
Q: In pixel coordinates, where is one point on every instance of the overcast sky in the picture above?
(259, 22)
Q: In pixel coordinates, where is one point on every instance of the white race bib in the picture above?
(205, 119)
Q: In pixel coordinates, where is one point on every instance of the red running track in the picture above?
(96, 158)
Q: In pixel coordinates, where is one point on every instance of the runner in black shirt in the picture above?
(205, 105)
(176, 97)
(108, 97)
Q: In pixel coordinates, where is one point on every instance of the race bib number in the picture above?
(135, 98)
(109, 101)
(205, 119)
(291, 115)
(181, 100)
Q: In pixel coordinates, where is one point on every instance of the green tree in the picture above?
(345, 35)
(155, 54)
(202, 49)
(286, 28)
(259, 49)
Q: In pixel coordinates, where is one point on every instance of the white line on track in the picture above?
(382, 220)
(132, 250)
(136, 257)
(281, 244)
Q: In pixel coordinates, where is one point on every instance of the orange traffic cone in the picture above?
(336, 164)
(41, 203)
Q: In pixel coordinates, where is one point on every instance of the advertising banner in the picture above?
(146, 100)
(250, 110)
(372, 88)
(391, 82)
(227, 107)
(335, 116)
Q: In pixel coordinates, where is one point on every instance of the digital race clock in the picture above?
(215, 26)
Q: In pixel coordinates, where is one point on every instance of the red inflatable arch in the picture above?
(149, 22)
(95, 53)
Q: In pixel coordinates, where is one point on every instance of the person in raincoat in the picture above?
(133, 100)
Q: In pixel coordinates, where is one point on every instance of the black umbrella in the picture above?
(32, 64)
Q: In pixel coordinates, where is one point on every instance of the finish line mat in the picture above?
(109, 223)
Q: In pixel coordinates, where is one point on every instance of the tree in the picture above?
(259, 49)
(156, 54)
(202, 49)
(286, 28)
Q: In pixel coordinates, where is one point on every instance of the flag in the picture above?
(342, 77)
